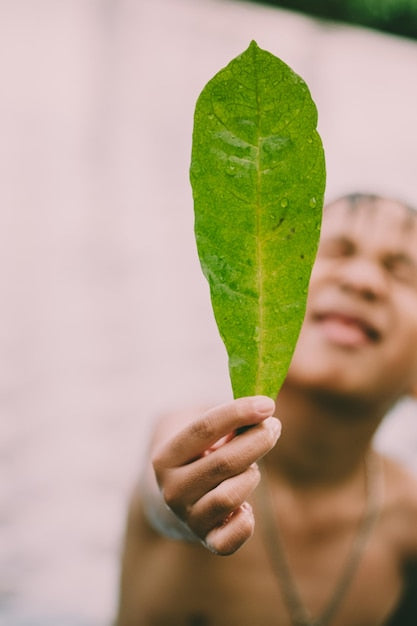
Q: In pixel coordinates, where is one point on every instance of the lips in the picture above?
(347, 329)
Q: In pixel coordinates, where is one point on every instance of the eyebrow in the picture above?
(339, 239)
(403, 257)
(350, 244)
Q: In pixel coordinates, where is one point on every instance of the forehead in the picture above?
(378, 222)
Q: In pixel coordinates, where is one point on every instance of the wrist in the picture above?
(160, 516)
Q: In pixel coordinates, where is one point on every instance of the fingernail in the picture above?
(275, 425)
(264, 405)
(245, 506)
(209, 546)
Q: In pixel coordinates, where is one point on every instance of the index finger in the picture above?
(194, 439)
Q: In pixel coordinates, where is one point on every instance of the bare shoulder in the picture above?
(401, 483)
(401, 504)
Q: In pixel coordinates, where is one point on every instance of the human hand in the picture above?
(208, 470)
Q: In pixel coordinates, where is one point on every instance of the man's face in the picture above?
(360, 331)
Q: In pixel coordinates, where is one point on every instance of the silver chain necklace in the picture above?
(298, 612)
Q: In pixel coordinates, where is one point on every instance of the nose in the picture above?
(365, 277)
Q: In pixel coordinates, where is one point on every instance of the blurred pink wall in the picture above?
(105, 317)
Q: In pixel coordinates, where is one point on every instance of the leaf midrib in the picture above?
(259, 267)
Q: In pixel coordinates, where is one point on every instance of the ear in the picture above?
(413, 391)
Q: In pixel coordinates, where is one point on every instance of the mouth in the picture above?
(347, 330)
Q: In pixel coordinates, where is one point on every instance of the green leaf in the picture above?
(258, 178)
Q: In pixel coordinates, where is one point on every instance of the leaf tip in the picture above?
(253, 46)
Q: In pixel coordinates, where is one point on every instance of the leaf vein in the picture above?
(222, 123)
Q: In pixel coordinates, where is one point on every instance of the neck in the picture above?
(324, 438)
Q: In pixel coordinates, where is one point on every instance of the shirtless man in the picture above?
(329, 537)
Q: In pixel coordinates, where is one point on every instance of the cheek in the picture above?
(309, 358)
(322, 277)
(402, 349)
(319, 272)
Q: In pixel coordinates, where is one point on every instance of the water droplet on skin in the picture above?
(284, 203)
(313, 202)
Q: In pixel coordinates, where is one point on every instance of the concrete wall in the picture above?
(105, 318)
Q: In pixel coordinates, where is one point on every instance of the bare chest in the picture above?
(191, 587)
